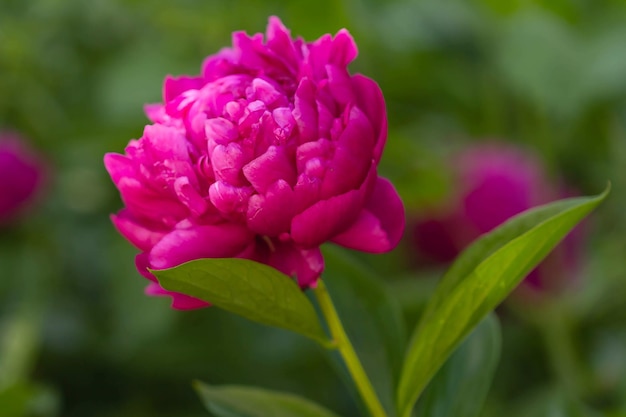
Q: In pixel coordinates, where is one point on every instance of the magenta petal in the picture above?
(212, 241)
(189, 196)
(179, 301)
(305, 111)
(326, 219)
(343, 49)
(135, 231)
(164, 144)
(174, 86)
(118, 167)
(304, 264)
(353, 156)
(340, 84)
(380, 225)
(268, 168)
(366, 234)
(370, 100)
(227, 163)
(279, 41)
(161, 208)
(157, 114)
(270, 214)
(228, 198)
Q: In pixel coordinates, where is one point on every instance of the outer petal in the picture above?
(353, 156)
(279, 41)
(119, 166)
(179, 301)
(213, 241)
(328, 218)
(159, 207)
(380, 225)
(305, 264)
(174, 86)
(140, 235)
(369, 98)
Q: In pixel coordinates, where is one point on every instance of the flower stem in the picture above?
(343, 344)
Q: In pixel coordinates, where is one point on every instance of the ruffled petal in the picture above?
(270, 214)
(270, 167)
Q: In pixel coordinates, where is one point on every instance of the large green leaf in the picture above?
(249, 289)
(478, 281)
(371, 318)
(460, 387)
(238, 401)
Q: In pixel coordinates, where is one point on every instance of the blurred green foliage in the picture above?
(74, 76)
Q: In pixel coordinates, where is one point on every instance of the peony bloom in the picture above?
(491, 184)
(21, 174)
(271, 151)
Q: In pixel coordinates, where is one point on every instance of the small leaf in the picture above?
(372, 320)
(238, 401)
(247, 288)
(478, 281)
(460, 387)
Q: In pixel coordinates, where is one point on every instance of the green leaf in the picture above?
(460, 387)
(238, 401)
(552, 401)
(28, 399)
(478, 281)
(371, 318)
(247, 288)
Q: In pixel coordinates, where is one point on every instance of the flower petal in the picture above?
(380, 225)
(353, 156)
(137, 232)
(369, 98)
(210, 241)
(327, 218)
(305, 264)
(270, 214)
(179, 301)
(270, 167)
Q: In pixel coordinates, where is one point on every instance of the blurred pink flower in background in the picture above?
(269, 153)
(21, 175)
(491, 183)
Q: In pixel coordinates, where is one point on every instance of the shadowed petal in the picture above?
(305, 264)
(179, 301)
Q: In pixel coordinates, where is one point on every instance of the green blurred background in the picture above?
(79, 338)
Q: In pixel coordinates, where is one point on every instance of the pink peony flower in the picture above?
(21, 174)
(266, 155)
(491, 184)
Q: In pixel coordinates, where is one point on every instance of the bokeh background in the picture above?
(79, 338)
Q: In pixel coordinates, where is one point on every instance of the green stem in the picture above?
(347, 352)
